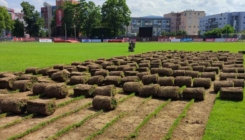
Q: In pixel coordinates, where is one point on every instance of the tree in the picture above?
(115, 14)
(74, 17)
(93, 18)
(6, 23)
(18, 30)
(32, 18)
(227, 29)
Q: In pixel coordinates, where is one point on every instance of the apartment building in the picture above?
(235, 19)
(187, 20)
(158, 23)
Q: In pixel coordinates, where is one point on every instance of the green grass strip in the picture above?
(147, 118)
(76, 125)
(42, 124)
(129, 96)
(176, 122)
(105, 127)
(3, 115)
(70, 101)
(17, 121)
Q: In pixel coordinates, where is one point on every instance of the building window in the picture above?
(220, 18)
(198, 13)
(194, 26)
(189, 26)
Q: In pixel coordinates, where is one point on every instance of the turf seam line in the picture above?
(177, 120)
(147, 118)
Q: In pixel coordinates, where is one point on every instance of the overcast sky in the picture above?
(154, 7)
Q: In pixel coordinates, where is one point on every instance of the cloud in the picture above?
(3, 3)
(154, 7)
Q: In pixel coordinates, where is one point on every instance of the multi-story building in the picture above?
(235, 19)
(187, 20)
(159, 24)
(12, 16)
(47, 14)
(61, 2)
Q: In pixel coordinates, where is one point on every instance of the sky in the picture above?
(153, 7)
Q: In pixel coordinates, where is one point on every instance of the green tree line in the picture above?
(85, 16)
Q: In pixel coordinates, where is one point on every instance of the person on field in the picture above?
(131, 46)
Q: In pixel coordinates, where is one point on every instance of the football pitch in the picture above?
(226, 120)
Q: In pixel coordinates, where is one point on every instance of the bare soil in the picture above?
(25, 125)
(125, 126)
(192, 127)
(98, 122)
(159, 125)
(58, 125)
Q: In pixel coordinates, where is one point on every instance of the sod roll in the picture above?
(52, 71)
(219, 84)
(96, 80)
(85, 90)
(143, 69)
(59, 66)
(212, 69)
(142, 74)
(211, 75)
(112, 80)
(58, 91)
(167, 92)
(7, 82)
(178, 73)
(102, 72)
(165, 72)
(183, 81)
(60, 76)
(43, 71)
(130, 79)
(111, 68)
(38, 88)
(224, 76)
(78, 80)
(241, 76)
(132, 87)
(13, 105)
(104, 103)
(194, 93)
(22, 85)
(193, 74)
(116, 73)
(81, 68)
(231, 93)
(199, 68)
(28, 77)
(31, 70)
(166, 81)
(240, 69)
(150, 79)
(202, 82)
(41, 107)
(149, 90)
(131, 73)
(109, 90)
(237, 82)
(229, 70)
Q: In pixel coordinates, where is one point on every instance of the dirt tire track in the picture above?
(159, 125)
(98, 122)
(23, 126)
(121, 129)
